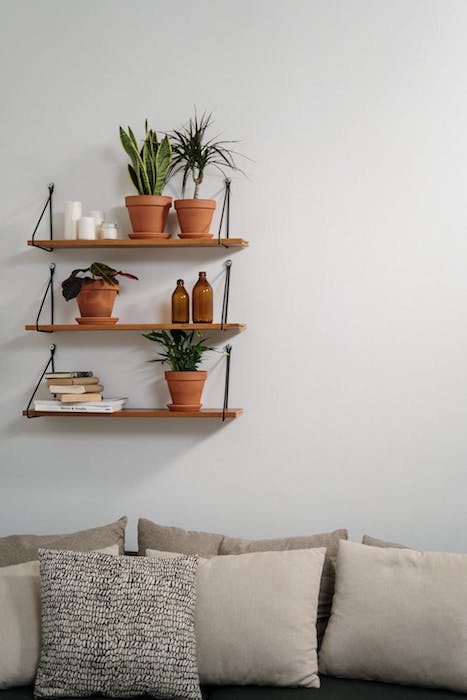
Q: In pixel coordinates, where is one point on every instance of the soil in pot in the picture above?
(96, 301)
(148, 213)
(195, 216)
(185, 390)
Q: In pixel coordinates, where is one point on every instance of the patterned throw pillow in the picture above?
(119, 626)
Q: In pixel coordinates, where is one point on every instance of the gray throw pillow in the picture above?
(17, 549)
(398, 616)
(173, 539)
(117, 626)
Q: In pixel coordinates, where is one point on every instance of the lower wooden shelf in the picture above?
(138, 327)
(143, 413)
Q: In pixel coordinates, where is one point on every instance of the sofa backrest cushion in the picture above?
(398, 616)
(16, 549)
(255, 619)
(174, 539)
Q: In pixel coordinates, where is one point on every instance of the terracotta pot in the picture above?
(195, 215)
(185, 390)
(97, 298)
(148, 213)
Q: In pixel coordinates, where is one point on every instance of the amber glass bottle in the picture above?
(202, 300)
(180, 304)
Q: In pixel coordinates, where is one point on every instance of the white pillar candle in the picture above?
(87, 228)
(72, 216)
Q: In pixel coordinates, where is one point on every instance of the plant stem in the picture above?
(198, 180)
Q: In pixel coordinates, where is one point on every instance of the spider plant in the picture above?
(193, 152)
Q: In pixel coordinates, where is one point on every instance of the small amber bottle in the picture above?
(202, 300)
(180, 304)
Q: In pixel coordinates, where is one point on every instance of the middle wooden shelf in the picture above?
(138, 327)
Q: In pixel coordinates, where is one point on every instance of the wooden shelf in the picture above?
(144, 243)
(143, 413)
(140, 327)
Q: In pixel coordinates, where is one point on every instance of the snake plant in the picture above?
(149, 165)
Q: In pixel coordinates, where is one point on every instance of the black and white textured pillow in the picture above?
(119, 626)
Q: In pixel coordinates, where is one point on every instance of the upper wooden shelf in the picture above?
(144, 243)
(140, 327)
(143, 413)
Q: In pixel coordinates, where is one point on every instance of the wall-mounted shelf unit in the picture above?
(138, 327)
(180, 244)
(143, 413)
(145, 243)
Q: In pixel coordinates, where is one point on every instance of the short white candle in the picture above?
(87, 228)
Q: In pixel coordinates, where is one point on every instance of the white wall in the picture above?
(352, 371)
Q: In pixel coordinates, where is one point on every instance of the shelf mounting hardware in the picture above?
(50, 287)
(225, 301)
(226, 210)
(228, 352)
(49, 205)
(50, 362)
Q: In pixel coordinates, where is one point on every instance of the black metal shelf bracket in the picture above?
(49, 205)
(50, 362)
(225, 301)
(226, 211)
(228, 353)
(50, 287)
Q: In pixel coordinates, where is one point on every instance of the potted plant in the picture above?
(96, 294)
(193, 153)
(148, 172)
(183, 353)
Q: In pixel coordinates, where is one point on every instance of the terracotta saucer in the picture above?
(185, 408)
(195, 235)
(142, 235)
(96, 321)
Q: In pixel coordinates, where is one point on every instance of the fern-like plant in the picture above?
(149, 165)
(193, 152)
(182, 352)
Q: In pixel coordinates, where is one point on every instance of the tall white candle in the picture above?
(72, 216)
(87, 228)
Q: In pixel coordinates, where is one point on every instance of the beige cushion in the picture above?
(398, 616)
(174, 539)
(16, 549)
(374, 542)
(20, 627)
(255, 619)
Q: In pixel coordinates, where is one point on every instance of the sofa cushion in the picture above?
(20, 622)
(255, 617)
(174, 539)
(117, 626)
(16, 549)
(374, 542)
(331, 689)
(398, 616)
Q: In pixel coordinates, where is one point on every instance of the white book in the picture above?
(105, 406)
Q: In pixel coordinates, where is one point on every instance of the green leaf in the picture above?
(149, 167)
(162, 163)
(134, 177)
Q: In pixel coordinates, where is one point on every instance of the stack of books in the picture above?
(75, 387)
(79, 392)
